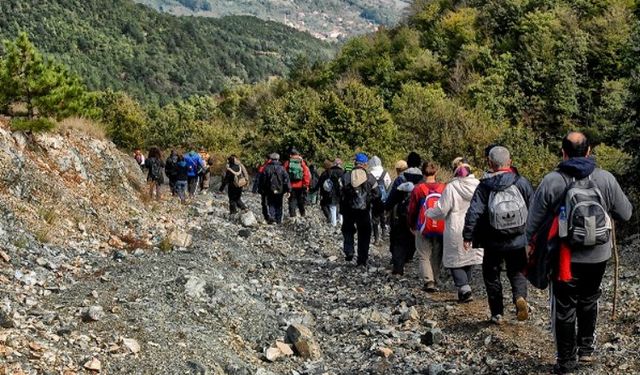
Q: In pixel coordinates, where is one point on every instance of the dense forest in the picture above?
(455, 77)
(119, 45)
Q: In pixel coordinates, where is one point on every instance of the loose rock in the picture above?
(303, 341)
(93, 314)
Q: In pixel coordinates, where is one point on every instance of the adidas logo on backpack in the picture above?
(508, 210)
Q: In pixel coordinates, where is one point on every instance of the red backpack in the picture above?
(427, 226)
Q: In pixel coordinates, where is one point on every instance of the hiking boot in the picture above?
(465, 297)
(563, 369)
(497, 319)
(430, 287)
(522, 309)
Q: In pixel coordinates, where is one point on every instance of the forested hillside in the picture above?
(326, 19)
(119, 45)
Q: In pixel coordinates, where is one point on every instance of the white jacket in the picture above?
(452, 207)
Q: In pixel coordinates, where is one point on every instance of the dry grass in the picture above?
(82, 126)
(133, 242)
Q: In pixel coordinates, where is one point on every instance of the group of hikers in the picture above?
(558, 234)
(187, 173)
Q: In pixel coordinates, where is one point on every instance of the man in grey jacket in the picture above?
(576, 300)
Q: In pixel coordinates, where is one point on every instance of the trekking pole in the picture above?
(616, 272)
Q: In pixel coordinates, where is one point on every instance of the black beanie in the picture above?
(414, 160)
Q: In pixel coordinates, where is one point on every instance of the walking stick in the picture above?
(616, 272)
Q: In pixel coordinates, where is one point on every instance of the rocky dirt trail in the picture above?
(218, 305)
(128, 287)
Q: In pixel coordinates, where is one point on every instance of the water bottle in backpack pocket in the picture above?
(588, 223)
(508, 211)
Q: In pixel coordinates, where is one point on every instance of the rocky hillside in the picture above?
(123, 286)
(326, 19)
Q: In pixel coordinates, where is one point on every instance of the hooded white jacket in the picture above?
(376, 169)
(452, 207)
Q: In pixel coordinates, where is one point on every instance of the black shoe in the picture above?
(348, 258)
(430, 288)
(563, 369)
(465, 297)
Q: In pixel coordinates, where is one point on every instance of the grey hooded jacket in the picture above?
(552, 190)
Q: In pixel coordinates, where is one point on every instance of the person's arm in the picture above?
(225, 180)
(392, 198)
(476, 210)
(443, 206)
(321, 180)
(306, 175)
(620, 207)
(413, 209)
(286, 181)
(543, 200)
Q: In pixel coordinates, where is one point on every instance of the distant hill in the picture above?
(154, 56)
(325, 19)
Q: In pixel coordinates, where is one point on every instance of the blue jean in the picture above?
(181, 188)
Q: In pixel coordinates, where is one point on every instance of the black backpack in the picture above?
(356, 198)
(155, 170)
(275, 182)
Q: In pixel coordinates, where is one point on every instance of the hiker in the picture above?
(312, 197)
(196, 164)
(235, 180)
(577, 192)
(452, 207)
(427, 231)
(359, 189)
(182, 178)
(155, 177)
(496, 221)
(403, 244)
(401, 166)
(137, 154)
(274, 184)
(329, 187)
(300, 178)
(171, 171)
(378, 215)
(256, 188)
(204, 173)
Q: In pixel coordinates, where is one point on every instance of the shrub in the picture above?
(40, 125)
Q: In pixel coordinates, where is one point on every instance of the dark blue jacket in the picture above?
(476, 226)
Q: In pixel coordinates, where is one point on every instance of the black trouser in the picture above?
(265, 206)
(357, 221)
(275, 207)
(297, 199)
(172, 184)
(573, 301)
(516, 261)
(326, 211)
(193, 184)
(379, 222)
(403, 246)
(235, 199)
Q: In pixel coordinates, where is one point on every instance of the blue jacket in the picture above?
(194, 161)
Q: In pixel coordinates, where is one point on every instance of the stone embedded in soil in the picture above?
(284, 348)
(180, 238)
(384, 352)
(248, 219)
(5, 320)
(244, 233)
(303, 341)
(272, 354)
(131, 344)
(93, 364)
(432, 337)
(194, 287)
(93, 314)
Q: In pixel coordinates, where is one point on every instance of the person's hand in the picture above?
(467, 245)
(529, 251)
